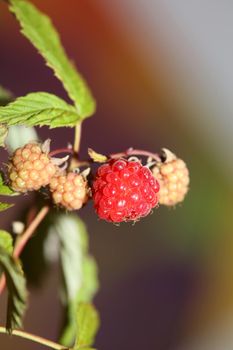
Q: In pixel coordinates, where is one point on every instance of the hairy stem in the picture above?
(23, 239)
(61, 150)
(20, 244)
(136, 152)
(34, 338)
(77, 137)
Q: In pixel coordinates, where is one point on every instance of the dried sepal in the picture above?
(97, 157)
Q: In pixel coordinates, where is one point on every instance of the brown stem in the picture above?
(61, 150)
(23, 239)
(34, 338)
(136, 152)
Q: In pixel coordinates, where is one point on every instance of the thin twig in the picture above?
(136, 152)
(23, 239)
(61, 150)
(77, 140)
(20, 244)
(34, 338)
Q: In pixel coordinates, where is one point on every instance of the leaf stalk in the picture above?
(34, 338)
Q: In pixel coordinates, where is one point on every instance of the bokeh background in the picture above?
(161, 72)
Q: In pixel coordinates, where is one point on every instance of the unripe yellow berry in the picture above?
(173, 177)
(31, 168)
(69, 191)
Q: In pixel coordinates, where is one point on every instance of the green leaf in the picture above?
(39, 108)
(16, 289)
(86, 293)
(5, 96)
(40, 31)
(18, 136)
(88, 323)
(90, 283)
(3, 134)
(5, 206)
(73, 240)
(6, 241)
(80, 280)
(5, 190)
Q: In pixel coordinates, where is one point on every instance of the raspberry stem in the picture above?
(34, 338)
(23, 239)
(136, 152)
(61, 150)
(77, 137)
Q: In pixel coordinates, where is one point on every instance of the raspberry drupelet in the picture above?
(173, 177)
(69, 190)
(124, 190)
(30, 168)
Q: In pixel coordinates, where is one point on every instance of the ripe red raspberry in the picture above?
(30, 168)
(173, 177)
(124, 190)
(69, 190)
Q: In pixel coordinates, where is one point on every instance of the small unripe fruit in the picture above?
(30, 168)
(124, 190)
(173, 177)
(69, 190)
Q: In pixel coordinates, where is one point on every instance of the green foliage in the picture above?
(73, 241)
(3, 134)
(4, 189)
(5, 206)
(39, 108)
(87, 326)
(40, 31)
(5, 96)
(6, 241)
(18, 136)
(90, 283)
(16, 288)
(80, 281)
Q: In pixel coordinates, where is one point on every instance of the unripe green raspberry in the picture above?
(173, 177)
(30, 168)
(69, 190)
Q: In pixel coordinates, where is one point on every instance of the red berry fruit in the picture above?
(124, 190)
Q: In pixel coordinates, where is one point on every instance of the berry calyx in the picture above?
(124, 190)
(173, 177)
(30, 168)
(69, 190)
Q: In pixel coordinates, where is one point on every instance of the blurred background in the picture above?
(161, 72)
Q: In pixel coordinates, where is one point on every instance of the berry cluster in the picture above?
(69, 190)
(30, 168)
(123, 189)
